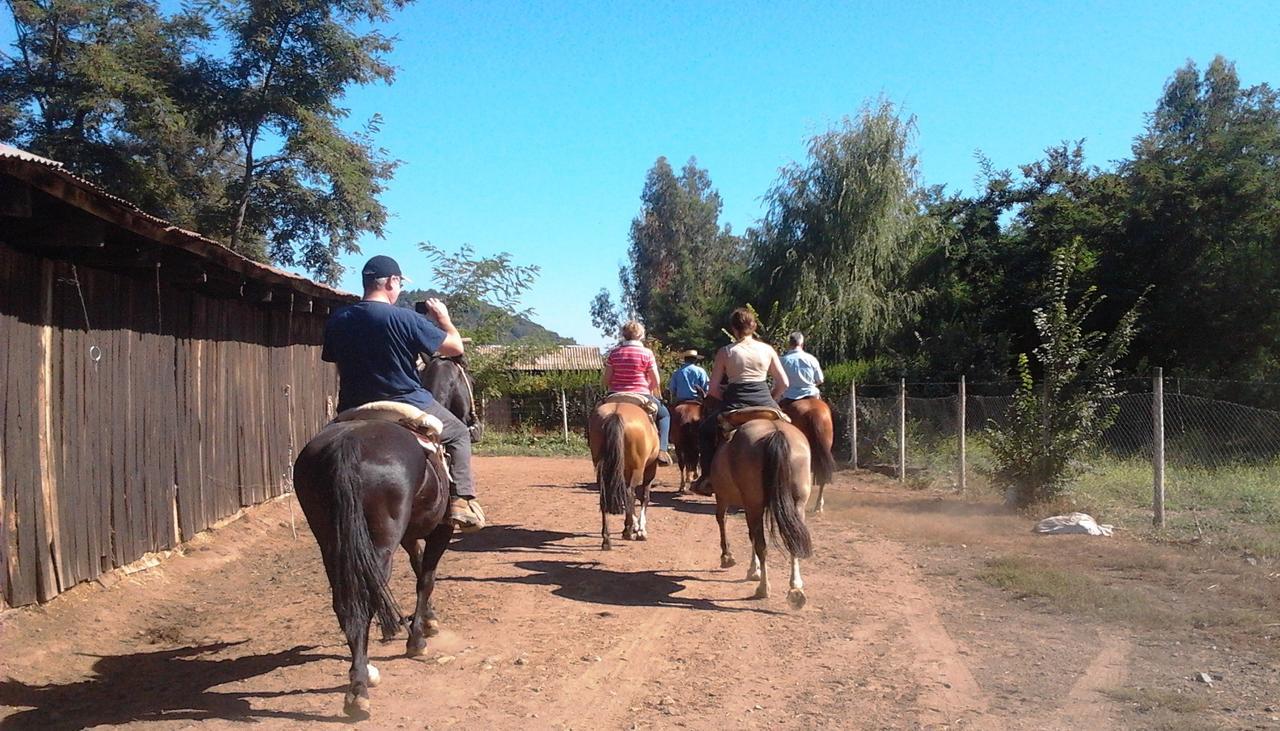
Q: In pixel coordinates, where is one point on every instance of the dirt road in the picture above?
(543, 630)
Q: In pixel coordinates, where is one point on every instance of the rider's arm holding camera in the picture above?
(717, 375)
(436, 310)
(780, 380)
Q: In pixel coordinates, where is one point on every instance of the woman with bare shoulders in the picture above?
(739, 379)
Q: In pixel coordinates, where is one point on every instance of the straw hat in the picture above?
(690, 353)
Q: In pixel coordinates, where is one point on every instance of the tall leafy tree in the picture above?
(1202, 226)
(306, 189)
(842, 234)
(98, 86)
(680, 257)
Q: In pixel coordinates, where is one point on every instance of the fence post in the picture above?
(963, 473)
(902, 430)
(853, 424)
(564, 414)
(1157, 448)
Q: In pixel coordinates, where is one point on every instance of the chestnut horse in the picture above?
(813, 417)
(624, 450)
(686, 416)
(764, 468)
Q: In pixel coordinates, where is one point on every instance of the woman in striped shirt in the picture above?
(631, 368)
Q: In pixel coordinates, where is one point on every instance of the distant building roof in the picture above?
(566, 358)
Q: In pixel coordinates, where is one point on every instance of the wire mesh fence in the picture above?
(1220, 439)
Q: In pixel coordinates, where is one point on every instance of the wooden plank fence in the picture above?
(136, 414)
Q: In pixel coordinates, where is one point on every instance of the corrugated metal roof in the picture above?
(566, 358)
(11, 151)
(83, 194)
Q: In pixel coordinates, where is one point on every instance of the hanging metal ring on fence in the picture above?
(95, 354)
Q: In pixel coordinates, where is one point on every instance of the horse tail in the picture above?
(780, 488)
(610, 471)
(824, 464)
(360, 591)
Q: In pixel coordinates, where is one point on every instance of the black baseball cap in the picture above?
(382, 266)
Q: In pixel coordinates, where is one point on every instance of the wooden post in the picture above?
(902, 430)
(53, 578)
(853, 424)
(961, 414)
(1157, 448)
(564, 414)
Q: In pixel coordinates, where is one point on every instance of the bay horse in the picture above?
(813, 417)
(764, 469)
(686, 417)
(624, 450)
(365, 488)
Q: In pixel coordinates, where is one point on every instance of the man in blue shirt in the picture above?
(376, 346)
(689, 381)
(803, 371)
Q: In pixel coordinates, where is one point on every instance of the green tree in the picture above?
(98, 86)
(306, 189)
(680, 258)
(1052, 423)
(1202, 226)
(834, 254)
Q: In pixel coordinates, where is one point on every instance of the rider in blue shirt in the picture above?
(689, 382)
(376, 346)
(803, 371)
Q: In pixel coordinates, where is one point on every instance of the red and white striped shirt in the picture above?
(630, 365)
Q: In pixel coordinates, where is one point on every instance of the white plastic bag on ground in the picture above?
(1072, 523)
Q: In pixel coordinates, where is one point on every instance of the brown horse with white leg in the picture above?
(813, 417)
(367, 487)
(686, 417)
(624, 449)
(764, 468)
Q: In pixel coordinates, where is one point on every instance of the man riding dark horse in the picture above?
(376, 346)
(745, 366)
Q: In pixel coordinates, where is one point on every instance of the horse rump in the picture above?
(780, 488)
(360, 591)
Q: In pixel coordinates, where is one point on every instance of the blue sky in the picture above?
(529, 127)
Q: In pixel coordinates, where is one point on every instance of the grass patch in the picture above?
(531, 444)
(1233, 508)
(1070, 591)
(1154, 699)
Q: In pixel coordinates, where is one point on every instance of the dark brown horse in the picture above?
(764, 468)
(686, 417)
(813, 417)
(450, 383)
(367, 487)
(624, 450)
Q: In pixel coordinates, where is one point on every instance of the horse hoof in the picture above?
(415, 649)
(375, 677)
(356, 706)
(728, 562)
(433, 627)
(796, 599)
(761, 593)
(753, 575)
(606, 546)
(642, 536)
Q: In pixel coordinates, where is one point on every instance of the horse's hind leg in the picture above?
(726, 556)
(821, 500)
(424, 623)
(605, 544)
(796, 597)
(642, 515)
(759, 556)
(356, 702)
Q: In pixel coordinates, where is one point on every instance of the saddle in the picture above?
(729, 421)
(635, 399)
(424, 426)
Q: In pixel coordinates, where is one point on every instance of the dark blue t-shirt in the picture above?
(376, 347)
